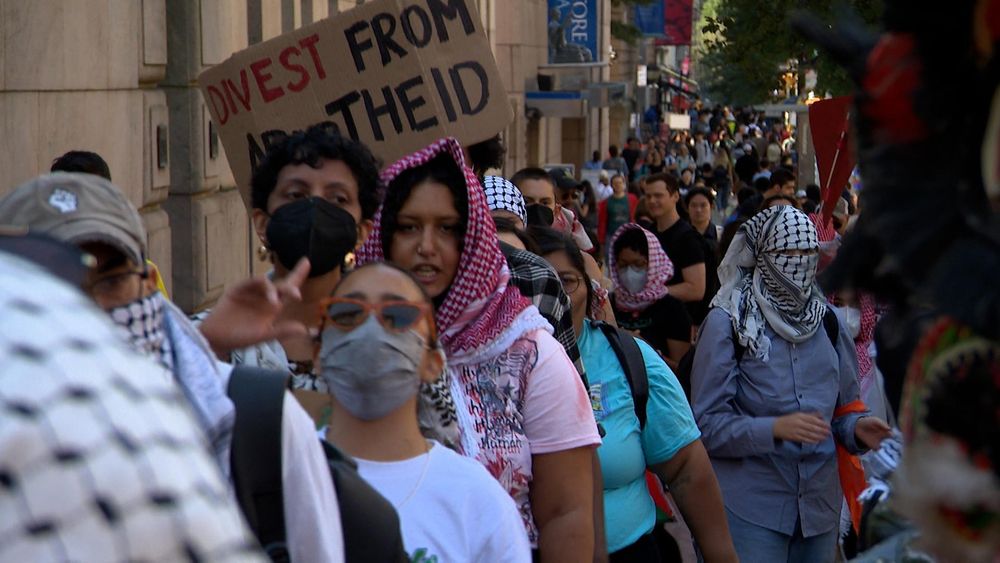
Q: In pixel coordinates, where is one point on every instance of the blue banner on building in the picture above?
(649, 19)
(574, 31)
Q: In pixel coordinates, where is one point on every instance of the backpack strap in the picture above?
(832, 325)
(633, 364)
(369, 523)
(258, 395)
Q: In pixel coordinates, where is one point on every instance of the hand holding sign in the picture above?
(393, 74)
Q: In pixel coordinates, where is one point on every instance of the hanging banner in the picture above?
(677, 18)
(574, 31)
(649, 18)
(393, 74)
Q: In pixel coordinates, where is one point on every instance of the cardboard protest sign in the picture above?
(393, 74)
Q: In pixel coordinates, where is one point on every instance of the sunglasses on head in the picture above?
(346, 314)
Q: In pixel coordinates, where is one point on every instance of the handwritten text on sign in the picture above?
(394, 74)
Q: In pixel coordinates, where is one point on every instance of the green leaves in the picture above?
(745, 43)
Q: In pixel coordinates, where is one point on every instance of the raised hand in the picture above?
(247, 313)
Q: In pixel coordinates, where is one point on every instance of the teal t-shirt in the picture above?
(625, 452)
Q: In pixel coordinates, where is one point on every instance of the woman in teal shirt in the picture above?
(669, 445)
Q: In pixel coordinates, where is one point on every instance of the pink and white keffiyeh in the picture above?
(481, 314)
(659, 272)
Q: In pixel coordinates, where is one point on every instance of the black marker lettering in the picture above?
(357, 48)
(460, 92)
(452, 9)
(383, 26)
(343, 105)
(406, 18)
(449, 108)
(374, 112)
(411, 105)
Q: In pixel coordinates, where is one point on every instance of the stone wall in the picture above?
(118, 77)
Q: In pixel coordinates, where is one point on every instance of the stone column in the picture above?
(210, 224)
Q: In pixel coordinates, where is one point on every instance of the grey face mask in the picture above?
(371, 371)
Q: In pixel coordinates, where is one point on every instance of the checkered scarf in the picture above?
(481, 316)
(760, 284)
(501, 194)
(143, 320)
(659, 272)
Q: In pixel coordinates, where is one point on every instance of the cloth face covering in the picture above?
(143, 319)
(763, 282)
(314, 228)
(371, 371)
(629, 296)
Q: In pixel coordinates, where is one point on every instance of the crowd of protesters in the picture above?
(447, 365)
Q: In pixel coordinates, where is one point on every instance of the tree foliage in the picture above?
(744, 43)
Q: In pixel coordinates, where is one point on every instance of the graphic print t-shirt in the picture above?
(528, 400)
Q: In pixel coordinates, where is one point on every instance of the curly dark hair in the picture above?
(320, 141)
(443, 169)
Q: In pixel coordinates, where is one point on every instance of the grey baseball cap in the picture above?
(76, 208)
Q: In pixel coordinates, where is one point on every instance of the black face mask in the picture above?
(539, 215)
(313, 228)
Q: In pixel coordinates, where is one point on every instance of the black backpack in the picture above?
(633, 364)
(369, 523)
(684, 366)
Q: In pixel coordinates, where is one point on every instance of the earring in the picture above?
(263, 253)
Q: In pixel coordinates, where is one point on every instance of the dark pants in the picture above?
(643, 550)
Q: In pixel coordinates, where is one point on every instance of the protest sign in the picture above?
(393, 74)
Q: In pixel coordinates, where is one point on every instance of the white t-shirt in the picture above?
(450, 508)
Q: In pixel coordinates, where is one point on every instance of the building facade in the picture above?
(119, 77)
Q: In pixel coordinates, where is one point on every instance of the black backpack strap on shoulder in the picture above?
(258, 395)
(369, 523)
(633, 364)
(832, 326)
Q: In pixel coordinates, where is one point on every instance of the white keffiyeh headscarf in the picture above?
(762, 282)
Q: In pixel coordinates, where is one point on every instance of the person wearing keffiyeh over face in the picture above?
(773, 412)
(522, 410)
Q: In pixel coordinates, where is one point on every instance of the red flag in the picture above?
(677, 19)
(829, 121)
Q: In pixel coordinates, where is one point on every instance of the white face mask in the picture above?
(852, 320)
(633, 279)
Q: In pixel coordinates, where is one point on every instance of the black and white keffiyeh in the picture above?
(143, 319)
(501, 194)
(762, 282)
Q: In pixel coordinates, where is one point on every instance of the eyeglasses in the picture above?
(114, 285)
(347, 314)
(570, 282)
